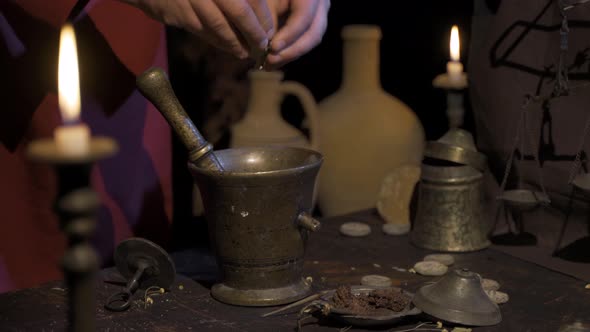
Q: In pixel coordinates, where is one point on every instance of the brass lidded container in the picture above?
(449, 214)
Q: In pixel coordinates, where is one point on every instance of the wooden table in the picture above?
(540, 299)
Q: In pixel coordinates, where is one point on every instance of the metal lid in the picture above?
(458, 297)
(458, 146)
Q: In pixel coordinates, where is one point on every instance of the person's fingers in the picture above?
(277, 9)
(302, 13)
(263, 12)
(191, 23)
(240, 14)
(310, 39)
(215, 23)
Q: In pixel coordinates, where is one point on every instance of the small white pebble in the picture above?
(309, 279)
(430, 268)
(376, 265)
(395, 229)
(376, 280)
(412, 270)
(355, 229)
(497, 296)
(587, 286)
(439, 325)
(490, 284)
(181, 287)
(353, 268)
(445, 259)
(399, 269)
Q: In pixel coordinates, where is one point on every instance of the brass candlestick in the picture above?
(457, 144)
(76, 206)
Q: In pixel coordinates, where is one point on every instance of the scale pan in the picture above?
(582, 182)
(523, 200)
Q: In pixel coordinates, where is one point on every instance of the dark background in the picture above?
(414, 49)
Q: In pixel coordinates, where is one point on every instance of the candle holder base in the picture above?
(132, 252)
(47, 151)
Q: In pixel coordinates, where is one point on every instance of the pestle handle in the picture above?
(155, 87)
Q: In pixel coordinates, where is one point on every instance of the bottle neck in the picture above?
(361, 64)
(265, 96)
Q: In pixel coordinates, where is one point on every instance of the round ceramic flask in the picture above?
(366, 132)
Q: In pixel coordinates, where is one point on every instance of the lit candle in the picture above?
(454, 67)
(73, 137)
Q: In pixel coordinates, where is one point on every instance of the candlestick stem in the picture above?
(455, 110)
(76, 207)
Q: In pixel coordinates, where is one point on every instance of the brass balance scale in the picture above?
(518, 200)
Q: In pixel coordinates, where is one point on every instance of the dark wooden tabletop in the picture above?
(540, 299)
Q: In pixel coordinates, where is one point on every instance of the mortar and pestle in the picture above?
(257, 204)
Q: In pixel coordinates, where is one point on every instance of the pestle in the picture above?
(155, 87)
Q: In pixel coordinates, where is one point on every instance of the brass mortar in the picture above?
(257, 204)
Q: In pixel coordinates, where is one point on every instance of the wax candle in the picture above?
(73, 137)
(455, 67)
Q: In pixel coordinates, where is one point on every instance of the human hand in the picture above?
(304, 27)
(240, 27)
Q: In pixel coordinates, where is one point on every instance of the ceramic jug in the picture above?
(263, 124)
(366, 132)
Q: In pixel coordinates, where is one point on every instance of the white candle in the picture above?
(72, 138)
(455, 67)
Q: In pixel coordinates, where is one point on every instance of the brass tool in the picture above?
(261, 61)
(294, 304)
(154, 86)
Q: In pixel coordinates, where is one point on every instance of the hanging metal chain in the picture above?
(535, 148)
(578, 160)
(562, 77)
(519, 126)
(561, 87)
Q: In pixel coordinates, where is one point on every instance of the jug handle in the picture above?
(309, 107)
(305, 220)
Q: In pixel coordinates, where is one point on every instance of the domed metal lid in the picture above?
(457, 146)
(458, 297)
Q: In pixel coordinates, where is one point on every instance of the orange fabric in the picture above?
(32, 243)
(53, 12)
(118, 22)
(32, 248)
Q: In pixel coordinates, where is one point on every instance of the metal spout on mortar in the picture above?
(155, 87)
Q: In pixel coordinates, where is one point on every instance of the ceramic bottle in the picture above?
(366, 132)
(263, 124)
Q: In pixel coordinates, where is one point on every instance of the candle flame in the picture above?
(455, 45)
(67, 76)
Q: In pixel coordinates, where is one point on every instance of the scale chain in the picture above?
(515, 144)
(535, 155)
(577, 161)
